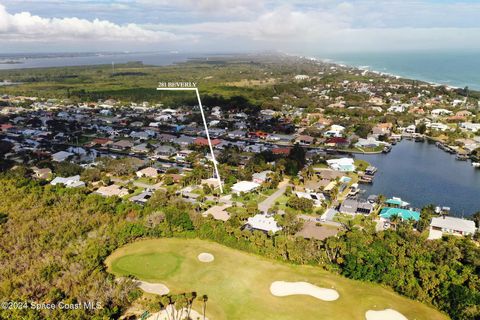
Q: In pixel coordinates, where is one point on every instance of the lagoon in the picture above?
(422, 174)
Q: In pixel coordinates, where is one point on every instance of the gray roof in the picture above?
(453, 223)
(349, 206)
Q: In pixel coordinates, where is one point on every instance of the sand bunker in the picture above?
(387, 314)
(206, 257)
(171, 313)
(155, 288)
(283, 288)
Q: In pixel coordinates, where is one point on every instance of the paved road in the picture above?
(270, 201)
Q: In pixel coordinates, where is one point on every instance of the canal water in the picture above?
(421, 173)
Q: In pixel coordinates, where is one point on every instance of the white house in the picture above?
(410, 129)
(438, 126)
(261, 177)
(317, 198)
(370, 142)
(397, 108)
(468, 126)
(301, 77)
(244, 186)
(335, 131)
(342, 164)
(70, 182)
(441, 112)
(451, 225)
(264, 223)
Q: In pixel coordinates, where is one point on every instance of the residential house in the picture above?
(165, 137)
(148, 172)
(184, 141)
(237, 134)
(141, 148)
(165, 151)
(335, 131)
(342, 164)
(141, 198)
(404, 214)
(244, 186)
(305, 140)
(438, 126)
(69, 182)
(397, 108)
(370, 142)
(263, 223)
(354, 206)
(464, 113)
(337, 142)
(122, 145)
(471, 127)
(44, 173)
(317, 198)
(102, 142)
(410, 129)
(382, 129)
(204, 142)
(281, 151)
(261, 177)
(396, 202)
(440, 112)
(61, 156)
(451, 225)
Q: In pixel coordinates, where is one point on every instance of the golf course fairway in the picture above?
(238, 283)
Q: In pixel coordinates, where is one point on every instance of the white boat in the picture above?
(476, 164)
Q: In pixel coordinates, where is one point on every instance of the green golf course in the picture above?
(238, 283)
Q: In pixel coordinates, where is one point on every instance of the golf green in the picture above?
(238, 283)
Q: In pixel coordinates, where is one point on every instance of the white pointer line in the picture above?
(206, 131)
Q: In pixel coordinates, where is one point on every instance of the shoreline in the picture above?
(370, 69)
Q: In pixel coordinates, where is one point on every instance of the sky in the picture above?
(295, 26)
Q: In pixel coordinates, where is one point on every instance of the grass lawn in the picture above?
(237, 283)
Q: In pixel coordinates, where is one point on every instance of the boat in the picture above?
(440, 145)
(387, 149)
(476, 165)
(461, 157)
(371, 170)
(365, 179)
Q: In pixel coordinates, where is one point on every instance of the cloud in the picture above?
(302, 26)
(207, 5)
(27, 27)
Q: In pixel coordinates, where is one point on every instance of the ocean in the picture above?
(452, 68)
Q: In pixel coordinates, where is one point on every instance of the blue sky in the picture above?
(299, 26)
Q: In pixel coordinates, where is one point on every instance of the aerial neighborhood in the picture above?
(125, 187)
(288, 159)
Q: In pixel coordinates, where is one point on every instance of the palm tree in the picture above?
(204, 300)
(394, 220)
(310, 172)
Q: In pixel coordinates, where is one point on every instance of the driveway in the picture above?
(270, 201)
